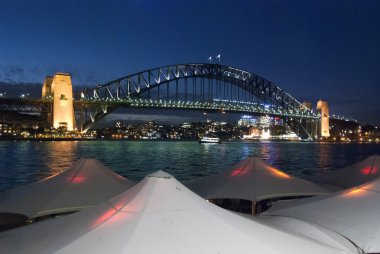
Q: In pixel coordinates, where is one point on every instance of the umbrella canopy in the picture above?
(255, 180)
(86, 183)
(353, 175)
(160, 215)
(353, 213)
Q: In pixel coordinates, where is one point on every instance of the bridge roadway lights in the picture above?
(232, 107)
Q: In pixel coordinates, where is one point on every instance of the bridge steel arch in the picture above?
(261, 95)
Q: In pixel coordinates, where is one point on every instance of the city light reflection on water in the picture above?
(61, 155)
(25, 162)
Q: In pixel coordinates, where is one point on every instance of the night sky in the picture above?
(313, 49)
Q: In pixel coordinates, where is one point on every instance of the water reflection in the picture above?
(61, 155)
(323, 156)
(25, 162)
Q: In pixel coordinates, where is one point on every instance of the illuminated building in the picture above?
(254, 133)
(265, 121)
(7, 129)
(323, 109)
(60, 89)
(186, 125)
(246, 120)
(277, 120)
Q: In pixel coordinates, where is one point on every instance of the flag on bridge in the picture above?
(218, 57)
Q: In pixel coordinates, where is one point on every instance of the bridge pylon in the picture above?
(324, 125)
(60, 89)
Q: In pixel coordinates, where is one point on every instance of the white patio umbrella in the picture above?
(255, 180)
(87, 183)
(353, 213)
(354, 175)
(160, 215)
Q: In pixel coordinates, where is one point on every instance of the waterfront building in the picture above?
(247, 121)
(278, 121)
(262, 121)
(344, 130)
(7, 129)
(186, 125)
(265, 121)
(254, 133)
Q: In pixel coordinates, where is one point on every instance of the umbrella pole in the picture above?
(253, 208)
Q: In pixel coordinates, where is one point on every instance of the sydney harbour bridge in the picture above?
(205, 87)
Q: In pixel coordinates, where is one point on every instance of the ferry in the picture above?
(210, 140)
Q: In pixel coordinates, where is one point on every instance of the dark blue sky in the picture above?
(313, 49)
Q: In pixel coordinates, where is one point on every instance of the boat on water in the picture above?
(309, 139)
(210, 140)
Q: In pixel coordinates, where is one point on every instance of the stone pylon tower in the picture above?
(323, 109)
(46, 88)
(60, 89)
(46, 94)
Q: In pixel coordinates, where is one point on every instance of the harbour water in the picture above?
(28, 161)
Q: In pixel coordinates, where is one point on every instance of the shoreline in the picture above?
(182, 140)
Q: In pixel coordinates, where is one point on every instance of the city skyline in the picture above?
(314, 49)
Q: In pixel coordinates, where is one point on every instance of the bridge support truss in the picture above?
(205, 85)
